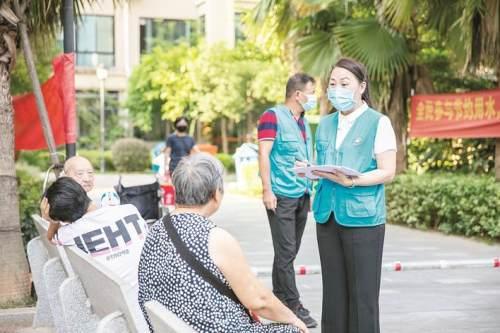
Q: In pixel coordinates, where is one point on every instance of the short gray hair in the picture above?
(196, 179)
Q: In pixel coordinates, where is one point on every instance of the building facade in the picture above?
(115, 36)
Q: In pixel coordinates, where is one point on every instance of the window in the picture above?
(201, 25)
(238, 27)
(154, 32)
(95, 37)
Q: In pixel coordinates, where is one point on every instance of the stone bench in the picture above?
(78, 294)
(164, 321)
(63, 280)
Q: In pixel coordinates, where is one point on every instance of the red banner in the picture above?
(59, 95)
(64, 66)
(463, 115)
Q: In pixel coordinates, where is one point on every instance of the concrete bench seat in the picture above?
(164, 321)
(78, 294)
(63, 302)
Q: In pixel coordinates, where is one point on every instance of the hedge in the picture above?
(94, 156)
(227, 160)
(41, 158)
(454, 204)
(131, 155)
(30, 192)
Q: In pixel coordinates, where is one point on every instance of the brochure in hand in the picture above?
(307, 170)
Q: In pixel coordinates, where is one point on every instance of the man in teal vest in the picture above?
(284, 139)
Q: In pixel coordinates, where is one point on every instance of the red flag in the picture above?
(59, 95)
(465, 115)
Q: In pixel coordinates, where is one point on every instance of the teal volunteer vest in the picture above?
(361, 206)
(288, 147)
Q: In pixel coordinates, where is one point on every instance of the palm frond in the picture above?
(44, 16)
(318, 52)
(397, 12)
(310, 7)
(263, 9)
(384, 52)
(442, 14)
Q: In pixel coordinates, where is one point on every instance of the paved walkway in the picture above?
(432, 301)
(444, 301)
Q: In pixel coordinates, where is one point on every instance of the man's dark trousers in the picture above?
(287, 226)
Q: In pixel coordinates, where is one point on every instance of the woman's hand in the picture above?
(301, 164)
(338, 177)
(229, 258)
(300, 324)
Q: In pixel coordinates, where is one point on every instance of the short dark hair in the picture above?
(297, 82)
(178, 120)
(67, 199)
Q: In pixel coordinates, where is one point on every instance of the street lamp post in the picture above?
(102, 74)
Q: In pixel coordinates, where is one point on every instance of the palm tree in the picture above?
(17, 19)
(323, 30)
(386, 36)
(480, 22)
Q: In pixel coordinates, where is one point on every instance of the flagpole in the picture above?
(69, 48)
(37, 90)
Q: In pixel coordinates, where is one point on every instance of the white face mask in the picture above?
(311, 103)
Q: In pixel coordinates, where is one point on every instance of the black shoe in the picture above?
(303, 314)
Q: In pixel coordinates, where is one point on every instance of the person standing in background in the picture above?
(285, 138)
(178, 145)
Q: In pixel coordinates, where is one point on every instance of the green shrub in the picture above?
(41, 158)
(227, 160)
(131, 155)
(30, 191)
(455, 204)
(94, 156)
(452, 155)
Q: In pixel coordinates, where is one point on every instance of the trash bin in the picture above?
(246, 160)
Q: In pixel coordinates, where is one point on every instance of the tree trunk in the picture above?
(250, 125)
(14, 274)
(396, 112)
(223, 133)
(199, 125)
(37, 90)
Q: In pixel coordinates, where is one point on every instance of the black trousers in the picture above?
(287, 226)
(351, 264)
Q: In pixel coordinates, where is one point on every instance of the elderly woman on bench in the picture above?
(197, 270)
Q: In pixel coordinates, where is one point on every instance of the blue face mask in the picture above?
(312, 103)
(342, 99)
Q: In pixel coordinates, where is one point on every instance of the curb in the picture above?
(17, 316)
(398, 266)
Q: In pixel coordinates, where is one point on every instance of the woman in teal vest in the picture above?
(350, 212)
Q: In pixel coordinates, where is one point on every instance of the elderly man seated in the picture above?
(80, 169)
(197, 270)
(112, 235)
